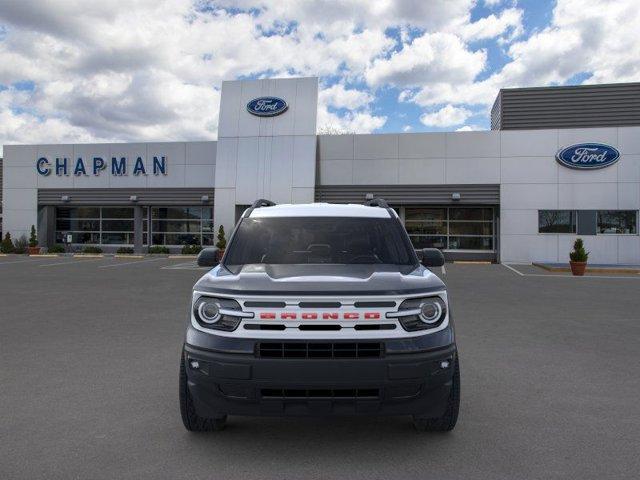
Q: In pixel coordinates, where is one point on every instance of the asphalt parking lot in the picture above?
(89, 353)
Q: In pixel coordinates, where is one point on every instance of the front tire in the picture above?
(448, 420)
(190, 418)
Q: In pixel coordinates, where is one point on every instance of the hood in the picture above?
(320, 279)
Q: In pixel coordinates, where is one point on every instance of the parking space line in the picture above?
(513, 269)
(73, 262)
(185, 266)
(130, 263)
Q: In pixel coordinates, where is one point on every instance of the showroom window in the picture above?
(182, 226)
(95, 225)
(450, 228)
(556, 221)
(618, 222)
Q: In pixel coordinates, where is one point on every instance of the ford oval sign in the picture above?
(588, 156)
(267, 106)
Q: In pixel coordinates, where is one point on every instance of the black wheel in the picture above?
(446, 422)
(190, 418)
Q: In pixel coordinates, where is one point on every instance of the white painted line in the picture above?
(185, 266)
(130, 263)
(513, 270)
(71, 262)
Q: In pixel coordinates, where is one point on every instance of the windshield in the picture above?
(313, 240)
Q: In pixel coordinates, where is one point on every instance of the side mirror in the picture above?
(432, 257)
(208, 257)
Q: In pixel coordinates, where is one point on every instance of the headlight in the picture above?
(421, 313)
(218, 313)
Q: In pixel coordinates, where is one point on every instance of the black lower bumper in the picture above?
(416, 383)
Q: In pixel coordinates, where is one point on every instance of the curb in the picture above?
(45, 255)
(606, 270)
(127, 255)
(88, 255)
(182, 256)
(472, 262)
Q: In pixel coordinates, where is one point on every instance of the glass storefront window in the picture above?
(450, 228)
(556, 221)
(95, 225)
(618, 221)
(187, 225)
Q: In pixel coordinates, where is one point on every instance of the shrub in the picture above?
(158, 249)
(7, 244)
(579, 254)
(33, 238)
(124, 250)
(20, 245)
(222, 241)
(91, 249)
(191, 249)
(57, 248)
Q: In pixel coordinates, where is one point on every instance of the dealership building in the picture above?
(559, 162)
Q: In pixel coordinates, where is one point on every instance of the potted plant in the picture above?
(7, 244)
(33, 249)
(221, 243)
(578, 258)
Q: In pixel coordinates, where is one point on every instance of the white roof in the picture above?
(319, 210)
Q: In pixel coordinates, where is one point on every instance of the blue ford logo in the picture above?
(267, 106)
(588, 156)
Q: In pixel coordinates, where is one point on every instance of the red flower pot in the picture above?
(33, 250)
(578, 268)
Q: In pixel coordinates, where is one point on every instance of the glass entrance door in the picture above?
(451, 228)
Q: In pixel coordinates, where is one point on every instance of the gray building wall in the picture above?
(616, 104)
(189, 165)
(521, 162)
(265, 157)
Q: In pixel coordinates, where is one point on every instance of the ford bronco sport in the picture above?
(320, 309)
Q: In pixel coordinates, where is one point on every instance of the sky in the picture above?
(77, 71)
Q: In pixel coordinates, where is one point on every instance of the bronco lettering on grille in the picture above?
(316, 316)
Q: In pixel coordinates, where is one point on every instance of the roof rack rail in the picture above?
(377, 202)
(261, 202)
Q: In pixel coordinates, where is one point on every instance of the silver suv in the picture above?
(320, 309)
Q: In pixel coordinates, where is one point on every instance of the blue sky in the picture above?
(77, 71)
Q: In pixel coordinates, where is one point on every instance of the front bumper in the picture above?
(401, 381)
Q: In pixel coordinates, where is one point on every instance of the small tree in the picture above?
(20, 245)
(7, 244)
(579, 254)
(33, 237)
(222, 241)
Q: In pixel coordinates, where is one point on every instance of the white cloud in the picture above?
(433, 57)
(447, 116)
(509, 22)
(469, 128)
(358, 122)
(407, 128)
(340, 97)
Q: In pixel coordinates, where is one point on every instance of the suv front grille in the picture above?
(320, 350)
(334, 393)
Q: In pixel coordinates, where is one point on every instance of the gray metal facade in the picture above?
(411, 194)
(567, 107)
(122, 196)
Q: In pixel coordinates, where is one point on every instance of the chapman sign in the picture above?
(118, 166)
(588, 156)
(267, 106)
